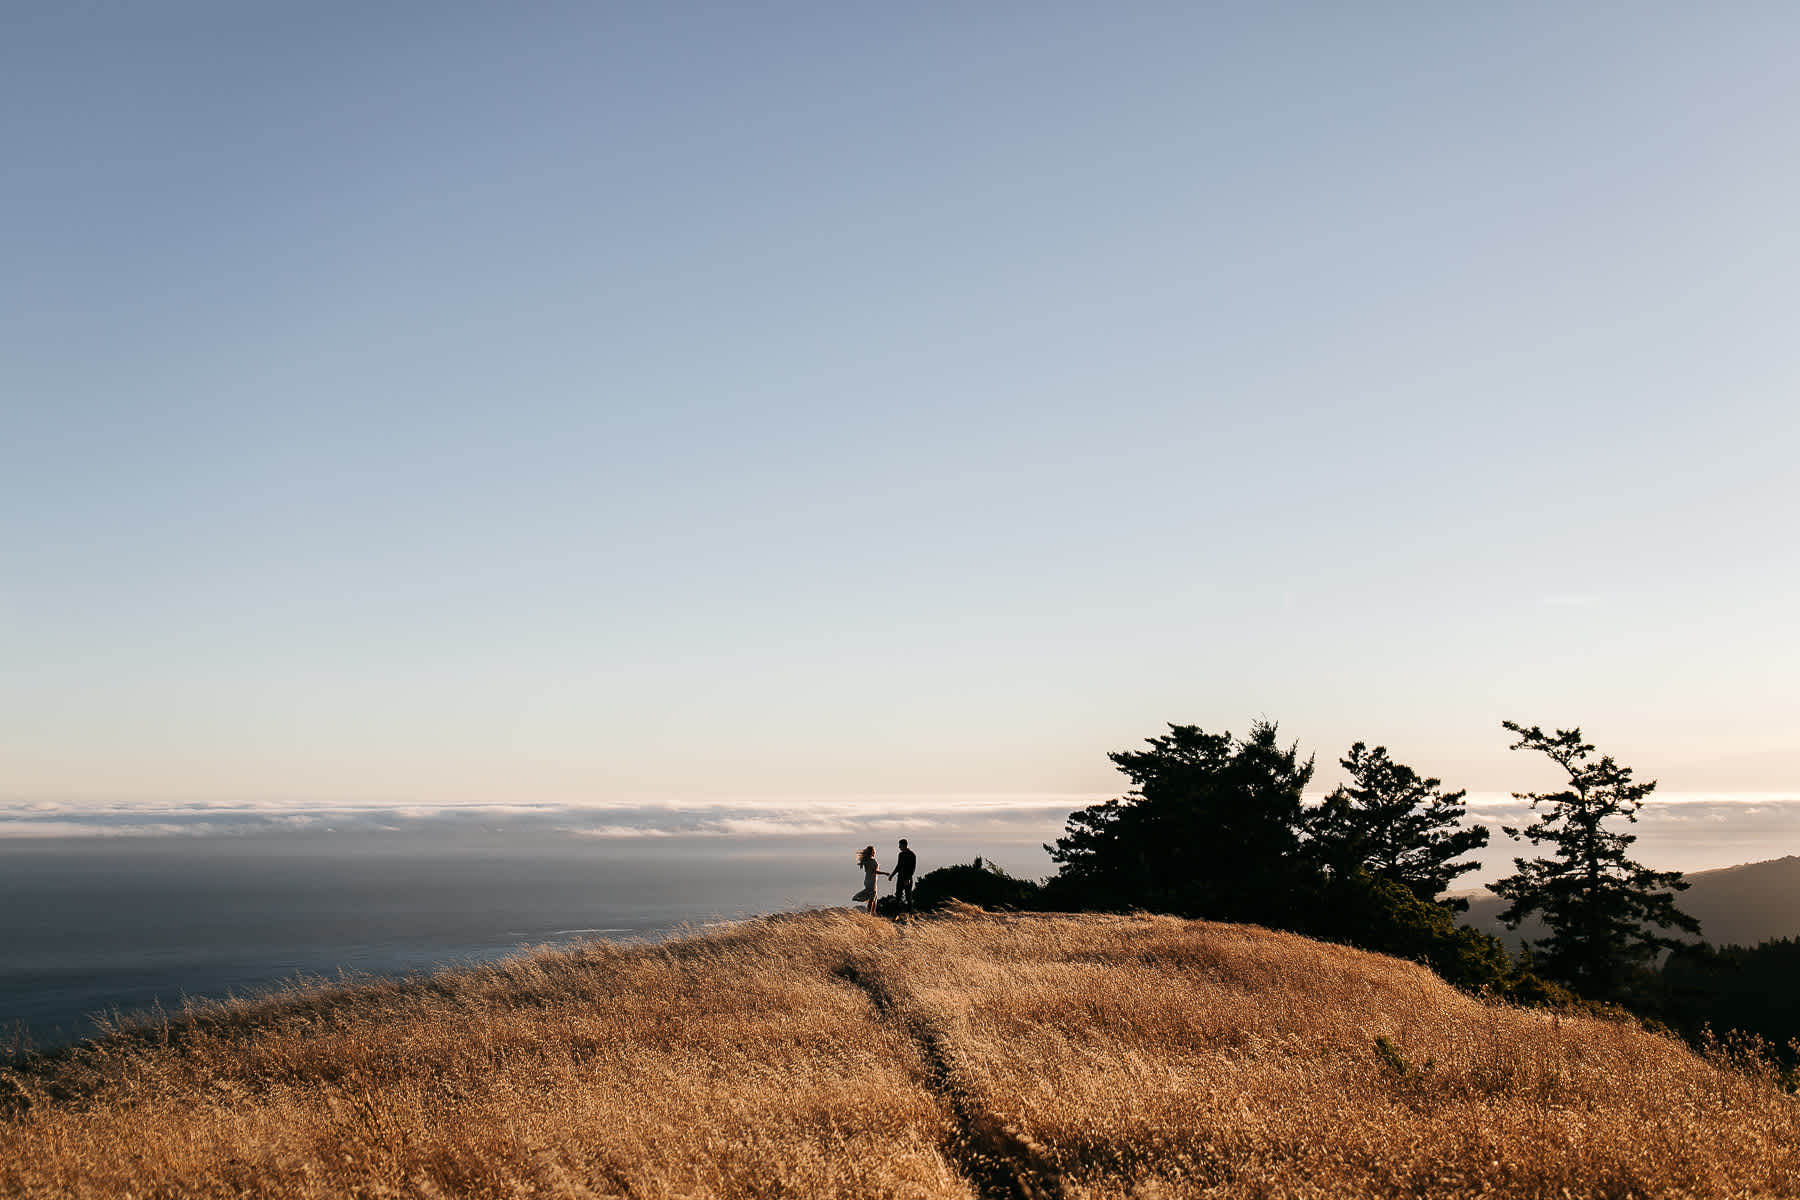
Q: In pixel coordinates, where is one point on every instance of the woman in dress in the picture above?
(866, 860)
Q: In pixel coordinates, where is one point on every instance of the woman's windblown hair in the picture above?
(864, 855)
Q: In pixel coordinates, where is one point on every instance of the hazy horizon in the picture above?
(1685, 832)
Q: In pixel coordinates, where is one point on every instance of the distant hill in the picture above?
(1741, 905)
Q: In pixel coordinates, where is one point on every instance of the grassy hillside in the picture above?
(834, 1054)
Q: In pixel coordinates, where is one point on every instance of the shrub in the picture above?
(978, 882)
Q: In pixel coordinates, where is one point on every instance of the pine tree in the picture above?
(1606, 914)
(1396, 825)
(1211, 828)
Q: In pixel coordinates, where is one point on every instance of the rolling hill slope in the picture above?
(834, 1054)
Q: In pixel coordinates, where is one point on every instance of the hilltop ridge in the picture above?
(834, 1054)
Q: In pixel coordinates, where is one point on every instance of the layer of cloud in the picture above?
(1679, 831)
(1026, 817)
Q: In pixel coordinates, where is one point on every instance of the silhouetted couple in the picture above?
(902, 875)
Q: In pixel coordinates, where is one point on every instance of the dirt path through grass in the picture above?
(1002, 1163)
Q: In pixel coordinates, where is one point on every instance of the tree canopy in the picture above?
(1210, 828)
(1396, 825)
(1214, 826)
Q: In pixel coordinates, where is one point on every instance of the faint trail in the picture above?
(1001, 1162)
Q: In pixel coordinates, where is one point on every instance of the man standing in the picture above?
(903, 876)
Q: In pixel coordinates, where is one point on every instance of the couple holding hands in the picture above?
(902, 875)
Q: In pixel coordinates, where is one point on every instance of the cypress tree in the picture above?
(1606, 913)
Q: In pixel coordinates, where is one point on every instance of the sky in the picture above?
(706, 407)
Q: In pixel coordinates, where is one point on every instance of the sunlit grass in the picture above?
(836, 1054)
(1151, 1056)
(736, 1064)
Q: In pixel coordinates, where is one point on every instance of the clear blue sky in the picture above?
(569, 402)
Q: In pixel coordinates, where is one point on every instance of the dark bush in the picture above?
(1744, 989)
(980, 883)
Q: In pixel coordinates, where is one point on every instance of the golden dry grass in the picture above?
(836, 1054)
(731, 1065)
(1156, 1057)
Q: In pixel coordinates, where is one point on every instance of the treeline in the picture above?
(1215, 827)
(1706, 991)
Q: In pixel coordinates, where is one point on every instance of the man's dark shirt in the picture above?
(904, 864)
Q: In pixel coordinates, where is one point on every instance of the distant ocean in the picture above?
(117, 925)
